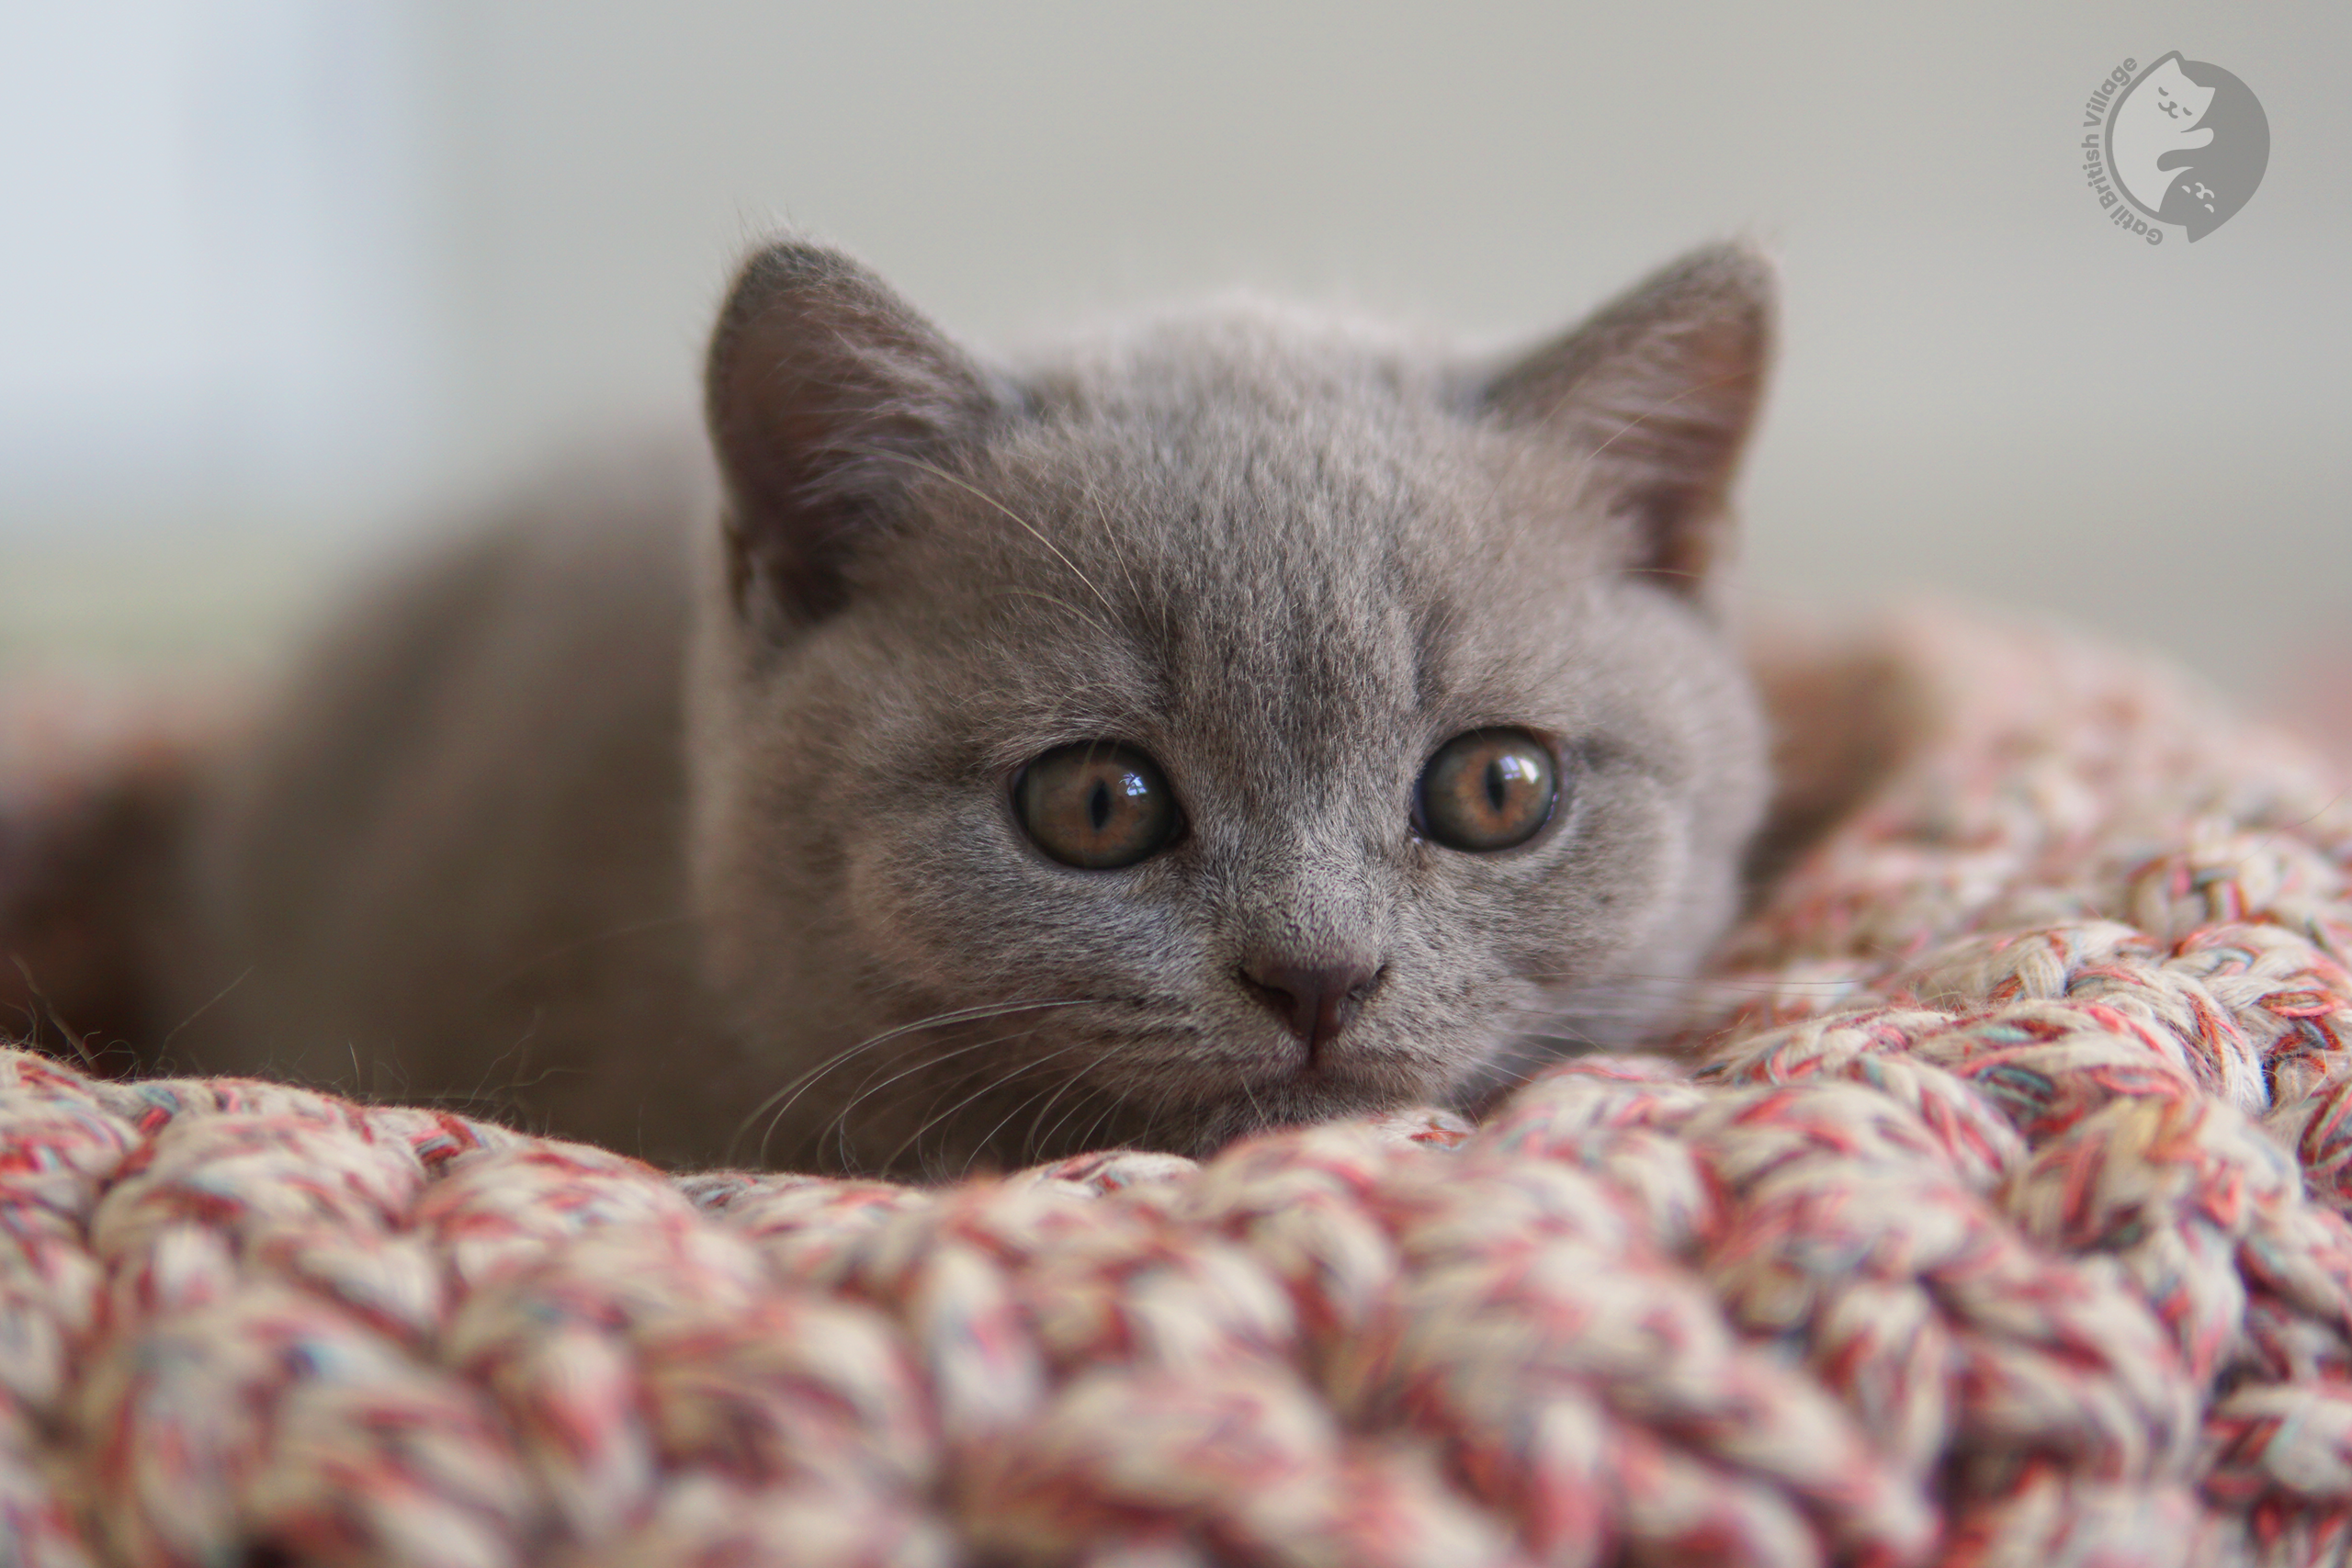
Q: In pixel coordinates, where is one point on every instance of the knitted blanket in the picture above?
(1993, 1211)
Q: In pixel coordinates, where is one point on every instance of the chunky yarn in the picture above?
(1993, 1211)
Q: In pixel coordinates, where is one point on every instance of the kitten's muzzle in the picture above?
(1315, 1002)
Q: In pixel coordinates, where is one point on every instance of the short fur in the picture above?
(711, 854)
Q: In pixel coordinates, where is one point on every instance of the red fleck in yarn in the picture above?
(1998, 1212)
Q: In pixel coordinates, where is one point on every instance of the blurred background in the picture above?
(283, 280)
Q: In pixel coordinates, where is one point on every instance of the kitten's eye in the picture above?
(1487, 790)
(1097, 805)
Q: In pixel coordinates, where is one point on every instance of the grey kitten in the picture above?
(1234, 720)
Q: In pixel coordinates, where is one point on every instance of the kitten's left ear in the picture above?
(1657, 391)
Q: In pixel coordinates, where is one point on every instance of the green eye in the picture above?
(1487, 790)
(1097, 805)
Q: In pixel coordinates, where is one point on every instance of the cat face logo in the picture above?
(2188, 144)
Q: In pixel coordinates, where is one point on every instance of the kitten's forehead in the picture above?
(1276, 523)
(1248, 428)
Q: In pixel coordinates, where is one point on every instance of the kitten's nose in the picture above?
(1315, 1000)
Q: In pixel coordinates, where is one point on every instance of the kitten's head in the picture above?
(1236, 720)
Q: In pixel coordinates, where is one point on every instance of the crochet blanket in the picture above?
(1994, 1211)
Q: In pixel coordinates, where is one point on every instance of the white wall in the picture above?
(434, 242)
(221, 229)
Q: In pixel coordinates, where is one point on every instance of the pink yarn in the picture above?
(1997, 1214)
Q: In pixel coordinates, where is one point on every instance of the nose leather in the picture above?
(1315, 1002)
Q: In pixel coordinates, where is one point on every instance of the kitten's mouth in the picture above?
(1167, 1098)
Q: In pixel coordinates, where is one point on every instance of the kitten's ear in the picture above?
(826, 395)
(1656, 390)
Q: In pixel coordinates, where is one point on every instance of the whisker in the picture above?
(792, 1092)
(1580, 1041)
(1050, 1144)
(915, 1139)
(869, 1087)
(191, 1018)
(1110, 537)
(1087, 1141)
(1077, 1107)
(1514, 1069)
(1032, 1098)
(1251, 1095)
(990, 1136)
(1057, 600)
(969, 487)
(839, 1127)
(1693, 982)
(550, 955)
(840, 1123)
(1029, 1146)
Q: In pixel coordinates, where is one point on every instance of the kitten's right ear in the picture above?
(1657, 391)
(826, 395)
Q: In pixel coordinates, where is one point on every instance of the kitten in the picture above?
(1235, 719)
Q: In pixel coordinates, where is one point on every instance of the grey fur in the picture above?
(486, 846)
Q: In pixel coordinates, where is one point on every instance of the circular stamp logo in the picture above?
(2182, 144)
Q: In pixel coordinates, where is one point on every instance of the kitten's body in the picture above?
(656, 840)
(445, 865)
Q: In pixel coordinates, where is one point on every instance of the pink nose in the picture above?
(1314, 1001)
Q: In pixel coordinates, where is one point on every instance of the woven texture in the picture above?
(1994, 1214)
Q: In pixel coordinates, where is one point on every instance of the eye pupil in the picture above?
(1098, 806)
(1490, 789)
